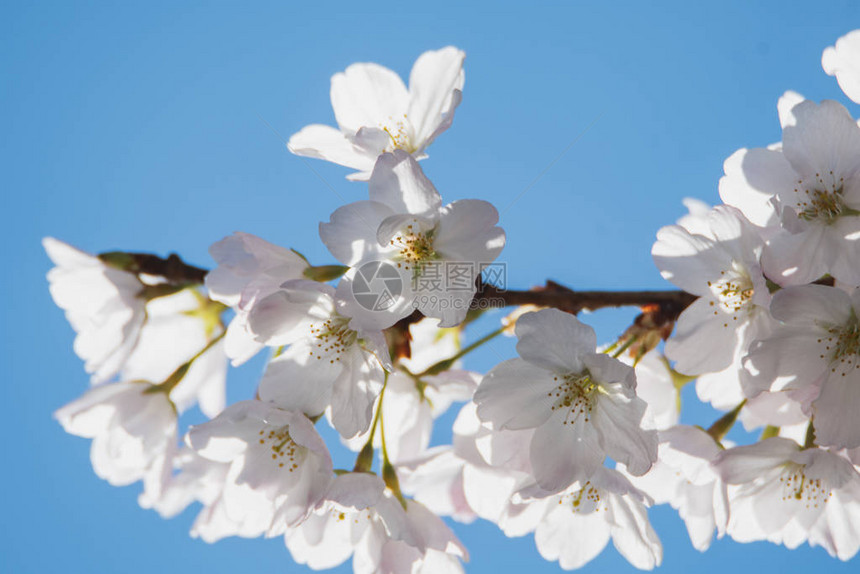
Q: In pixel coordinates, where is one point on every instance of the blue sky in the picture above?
(150, 126)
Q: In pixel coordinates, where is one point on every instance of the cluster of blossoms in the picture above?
(568, 441)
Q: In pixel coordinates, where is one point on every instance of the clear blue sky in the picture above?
(145, 126)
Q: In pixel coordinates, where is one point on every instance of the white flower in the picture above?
(684, 478)
(409, 409)
(177, 328)
(814, 355)
(279, 465)
(435, 479)
(816, 188)
(104, 306)
(376, 113)
(579, 522)
(721, 267)
(328, 365)
(409, 251)
(203, 480)
(787, 494)
(655, 386)
(359, 517)
(133, 427)
(249, 269)
(582, 404)
(843, 61)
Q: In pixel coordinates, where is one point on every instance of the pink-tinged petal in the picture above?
(798, 258)
(398, 182)
(287, 314)
(366, 95)
(351, 233)
(632, 534)
(354, 392)
(562, 452)
(515, 394)
(744, 464)
(467, 232)
(618, 420)
(297, 380)
(811, 305)
(703, 342)
(435, 90)
(825, 140)
(244, 259)
(837, 423)
(843, 61)
(554, 340)
(325, 142)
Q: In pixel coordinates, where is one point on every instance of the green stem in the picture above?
(389, 473)
(723, 424)
(446, 364)
(769, 432)
(176, 376)
(810, 436)
(364, 460)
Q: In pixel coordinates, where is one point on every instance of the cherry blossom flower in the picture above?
(787, 495)
(815, 182)
(591, 513)
(684, 478)
(843, 61)
(133, 427)
(376, 113)
(723, 268)
(177, 328)
(104, 305)
(249, 269)
(279, 466)
(328, 366)
(813, 354)
(582, 404)
(359, 517)
(436, 252)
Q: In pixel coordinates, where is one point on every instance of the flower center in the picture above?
(821, 201)
(332, 338)
(842, 345)
(285, 452)
(583, 501)
(414, 247)
(575, 396)
(732, 291)
(798, 486)
(400, 133)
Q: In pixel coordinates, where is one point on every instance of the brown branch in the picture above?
(670, 303)
(173, 268)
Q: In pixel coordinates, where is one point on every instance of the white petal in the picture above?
(325, 142)
(398, 182)
(515, 395)
(351, 234)
(843, 61)
(467, 232)
(366, 95)
(554, 340)
(435, 87)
